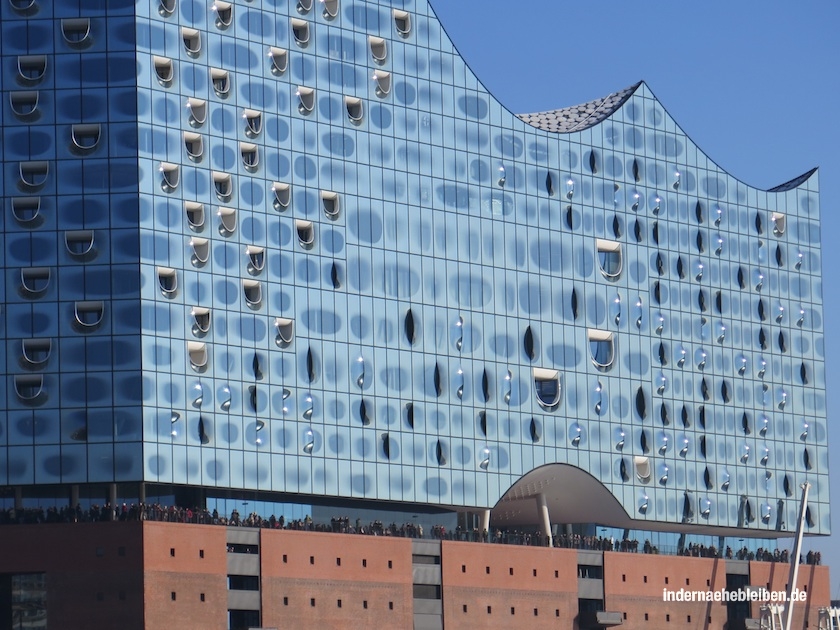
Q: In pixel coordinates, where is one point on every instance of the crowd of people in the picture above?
(343, 525)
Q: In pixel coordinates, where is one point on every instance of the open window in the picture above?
(355, 109)
(306, 99)
(26, 210)
(201, 251)
(29, 387)
(282, 195)
(201, 320)
(382, 78)
(402, 22)
(198, 111)
(224, 13)
(223, 185)
(779, 223)
(601, 348)
(279, 59)
(167, 281)
(35, 353)
(300, 31)
(250, 155)
(164, 70)
(609, 257)
(34, 281)
(195, 215)
(285, 331)
(306, 233)
(547, 387)
(330, 8)
(253, 293)
(167, 7)
(227, 221)
(31, 68)
(76, 32)
(33, 175)
(85, 137)
(256, 258)
(170, 176)
(253, 122)
(330, 201)
(89, 314)
(221, 81)
(24, 104)
(197, 353)
(79, 243)
(194, 144)
(192, 40)
(378, 49)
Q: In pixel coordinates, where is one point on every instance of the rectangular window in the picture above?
(172, 552)
(338, 562)
(201, 553)
(424, 559)
(426, 591)
(285, 601)
(285, 558)
(338, 603)
(390, 605)
(243, 582)
(201, 597)
(312, 602)
(591, 571)
(364, 604)
(364, 562)
(173, 596)
(311, 559)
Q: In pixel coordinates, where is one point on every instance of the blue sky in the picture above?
(755, 85)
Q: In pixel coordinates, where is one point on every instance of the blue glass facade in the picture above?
(296, 247)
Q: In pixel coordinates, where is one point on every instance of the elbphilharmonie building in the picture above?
(294, 250)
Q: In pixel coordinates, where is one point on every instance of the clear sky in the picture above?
(755, 84)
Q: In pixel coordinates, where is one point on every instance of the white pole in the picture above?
(794, 560)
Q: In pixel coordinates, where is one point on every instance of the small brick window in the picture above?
(687, 581)
(172, 552)
(311, 559)
(364, 562)
(709, 583)
(173, 596)
(338, 562)
(487, 569)
(688, 618)
(511, 570)
(364, 604)
(489, 610)
(463, 568)
(557, 574)
(390, 564)
(465, 608)
(390, 605)
(512, 610)
(535, 573)
(338, 603)
(285, 558)
(646, 616)
(536, 612)
(645, 579)
(668, 618)
(312, 602)
(556, 612)
(666, 580)
(201, 553)
(623, 577)
(625, 615)
(285, 601)
(201, 597)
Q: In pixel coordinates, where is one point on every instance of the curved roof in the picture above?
(580, 117)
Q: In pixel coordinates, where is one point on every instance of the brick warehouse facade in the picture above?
(138, 575)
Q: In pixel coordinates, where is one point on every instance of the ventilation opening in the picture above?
(355, 109)
(306, 99)
(195, 215)
(335, 276)
(170, 176)
(35, 352)
(282, 195)
(253, 292)
(197, 352)
(253, 122)
(609, 257)
(250, 155)
(29, 387)
(300, 31)
(402, 22)
(306, 233)
(227, 221)
(26, 210)
(534, 430)
(285, 331)
(330, 201)
(201, 320)
(223, 184)
(34, 175)
(330, 8)
(201, 251)
(85, 137)
(256, 258)
(386, 445)
(221, 81)
(410, 329)
(31, 68)
(89, 314)
(643, 468)
(34, 281)
(194, 144)
(167, 281)
(198, 111)
(164, 69)
(378, 49)
(601, 348)
(779, 222)
(79, 243)
(224, 13)
(547, 387)
(192, 40)
(167, 7)
(76, 31)
(279, 59)
(24, 104)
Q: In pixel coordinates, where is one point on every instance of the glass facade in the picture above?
(296, 247)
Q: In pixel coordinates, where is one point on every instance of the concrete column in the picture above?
(141, 493)
(112, 499)
(18, 498)
(74, 495)
(545, 520)
(485, 523)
